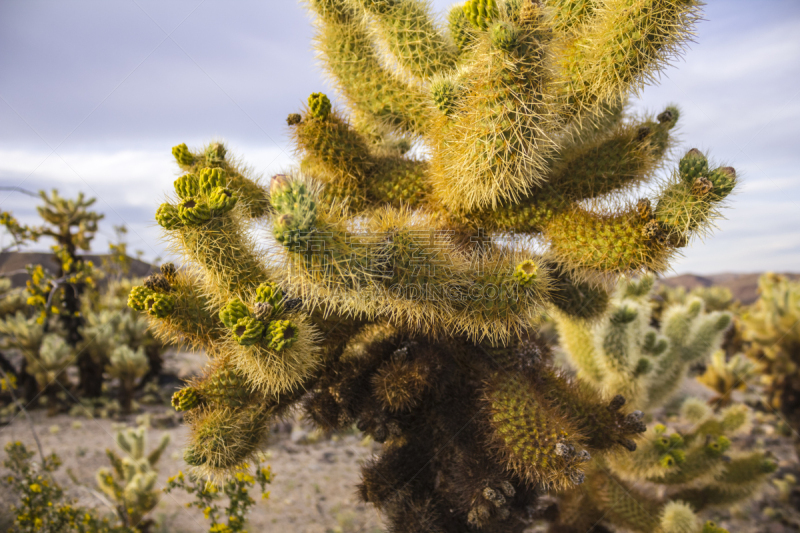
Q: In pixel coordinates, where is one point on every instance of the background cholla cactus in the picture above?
(11, 300)
(772, 328)
(131, 482)
(47, 355)
(119, 339)
(694, 465)
(127, 365)
(400, 293)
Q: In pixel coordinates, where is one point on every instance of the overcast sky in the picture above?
(94, 94)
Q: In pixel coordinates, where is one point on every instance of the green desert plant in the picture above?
(724, 376)
(46, 354)
(771, 326)
(131, 482)
(43, 503)
(694, 465)
(128, 366)
(236, 489)
(400, 293)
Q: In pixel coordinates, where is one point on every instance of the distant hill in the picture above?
(12, 264)
(744, 287)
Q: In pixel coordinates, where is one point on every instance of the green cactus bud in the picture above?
(221, 200)
(194, 211)
(693, 165)
(719, 446)
(480, 13)
(281, 334)
(168, 217)
(159, 305)
(215, 154)
(667, 461)
(679, 455)
(247, 331)
(711, 527)
(526, 273)
(211, 178)
(157, 283)
(319, 106)
(460, 27)
(723, 180)
(183, 156)
(232, 312)
(669, 116)
(169, 272)
(445, 95)
(193, 458)
(187, 186)
(269, 293)
(185, 399)
(624, 315)
(643, 366)
(226, 387)
(505, 37)
(137, 298)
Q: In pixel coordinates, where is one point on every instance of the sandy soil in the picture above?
(313, 490)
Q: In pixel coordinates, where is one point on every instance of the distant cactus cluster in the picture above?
(771, 329)
(695, 465)
(400, 293)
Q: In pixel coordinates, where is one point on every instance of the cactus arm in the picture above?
(340, 157)
(617, 161)
(534, 441)
(344, 44)
(623, 46)
(190, 320)
(411, 36)
(610, 242)
(492, 147)
(605, 424)
(576, 339)
(623, 506)
(742, 478)
(155, 454)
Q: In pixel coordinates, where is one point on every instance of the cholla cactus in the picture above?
(131, 482)
(623, 354)
(11, 300)
(386, 298)
(128, 366)
(772, 327)
(724, 376)
(47, 355)
(118, 338)
(695, 465)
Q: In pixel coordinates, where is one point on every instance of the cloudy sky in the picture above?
(94, 94)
